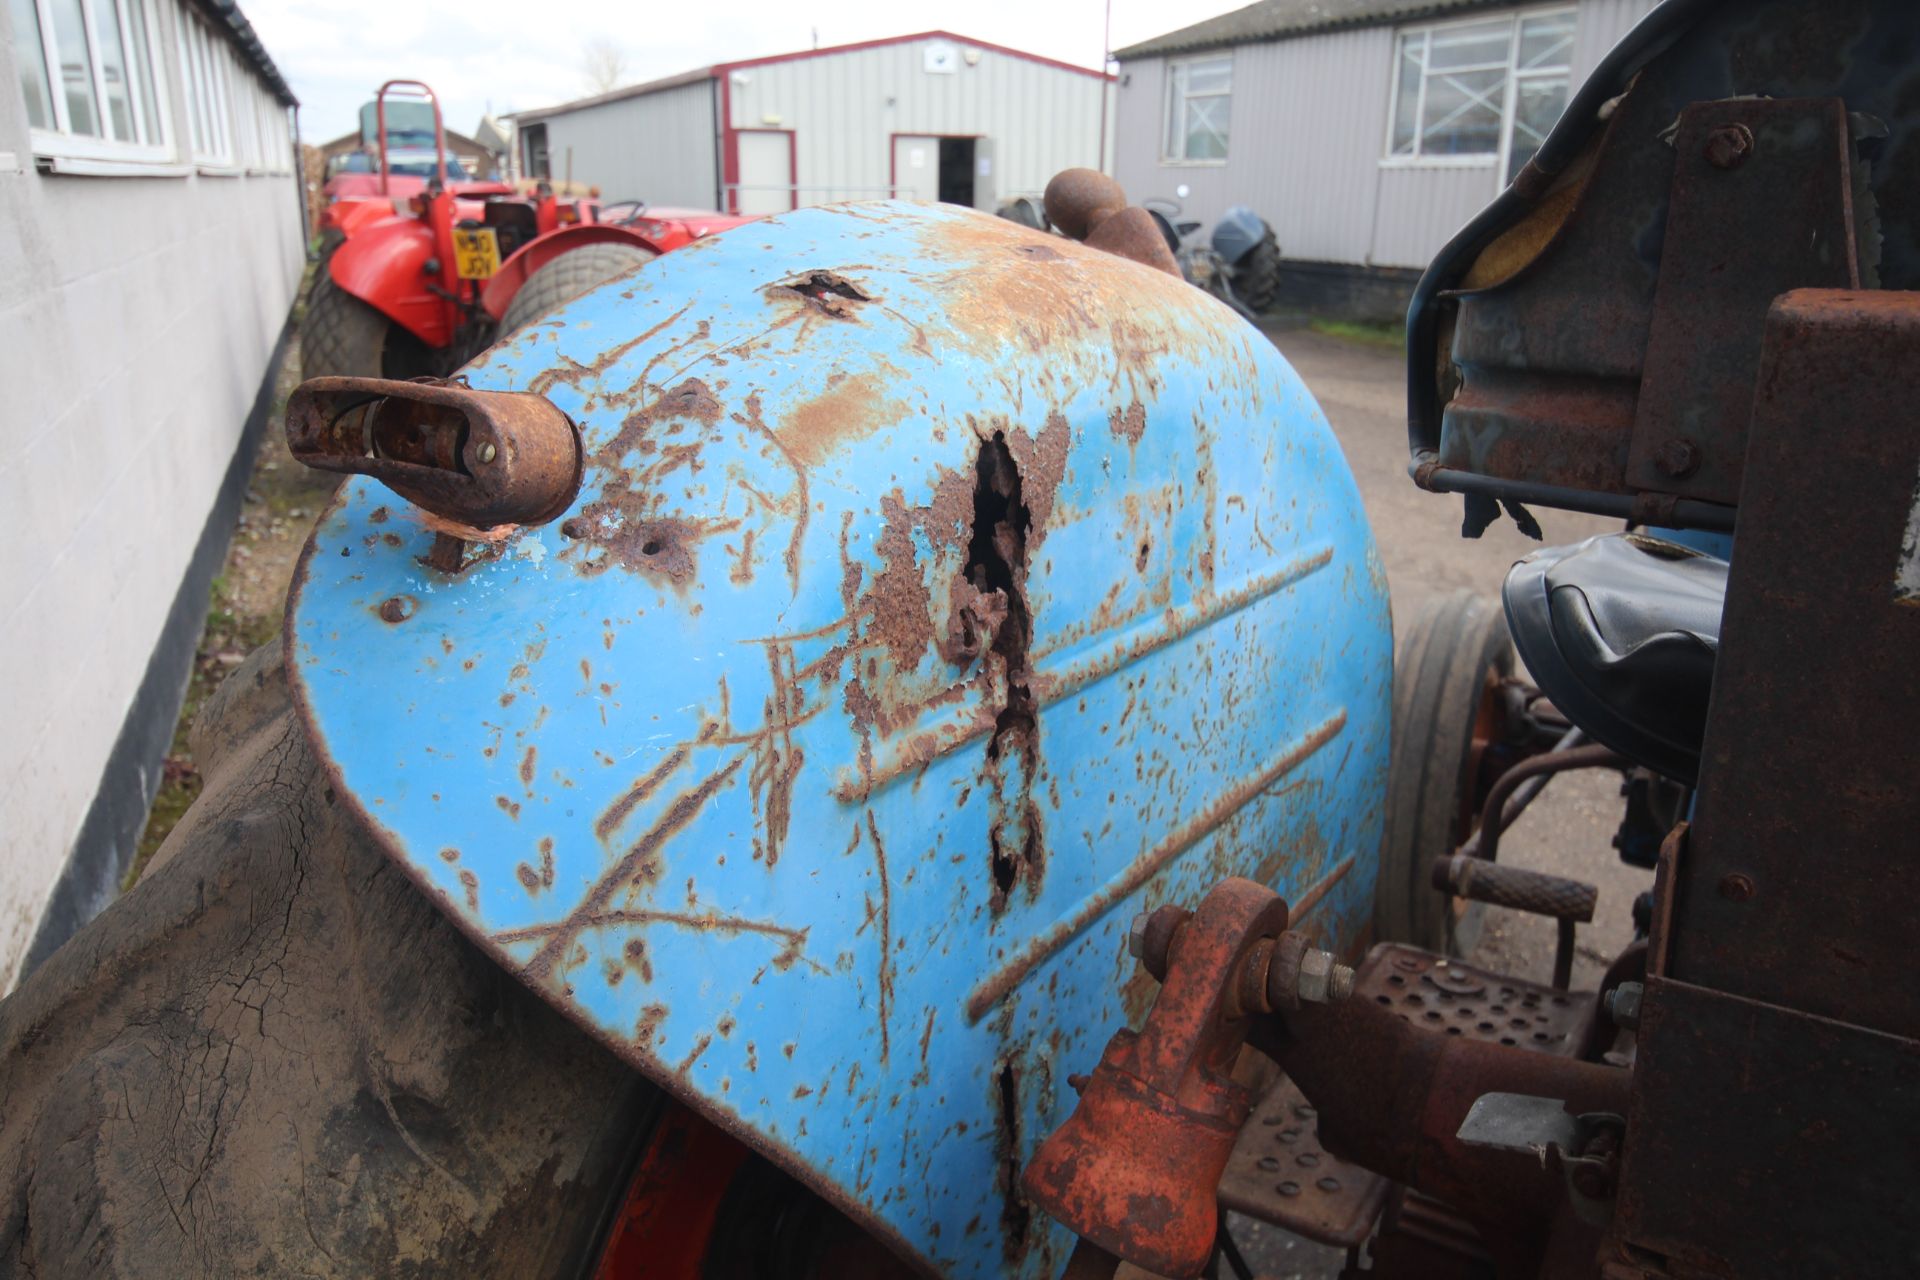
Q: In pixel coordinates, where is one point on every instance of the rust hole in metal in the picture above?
(1016, 1215)
(397, 608)
(996, 570)
(825, 292)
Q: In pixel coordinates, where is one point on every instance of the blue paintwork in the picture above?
(791, 922)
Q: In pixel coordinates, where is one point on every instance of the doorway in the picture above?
(956, 171)
(929, 168)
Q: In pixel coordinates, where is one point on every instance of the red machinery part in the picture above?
(1134, 1169)
(384, 265)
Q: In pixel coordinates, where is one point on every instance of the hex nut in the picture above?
(1323, 979)
(1137, 936)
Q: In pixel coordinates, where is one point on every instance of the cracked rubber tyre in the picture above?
(342, 336)
(1446, 708)
(567, 277)
(274, 1056)
(1257, 282)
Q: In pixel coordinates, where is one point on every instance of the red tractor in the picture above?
(417, 286)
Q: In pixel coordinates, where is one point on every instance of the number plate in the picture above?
(476, 253)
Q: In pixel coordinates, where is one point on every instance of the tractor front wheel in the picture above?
(567, 277)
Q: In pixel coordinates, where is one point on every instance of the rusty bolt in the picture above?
(1735, 887)
(1323, 979)
(1678, 458)
(1729, 146)
(1137, 936)
(1623, 1005)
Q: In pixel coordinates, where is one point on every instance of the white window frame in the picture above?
(59, 143)
(1167, 158)
(1497, 159)
(204, 59)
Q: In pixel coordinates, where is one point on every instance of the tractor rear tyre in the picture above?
(567, 277)
(1257, 282)
(342, 336)
(1447, 708)
(275, 1056)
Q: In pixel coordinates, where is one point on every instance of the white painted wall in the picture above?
(137, 319)
(658, 147)
(845, 107)
(1309, 130)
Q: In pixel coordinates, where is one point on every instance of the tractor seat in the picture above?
(1620, 632)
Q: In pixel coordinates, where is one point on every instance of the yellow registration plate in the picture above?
(476, 253)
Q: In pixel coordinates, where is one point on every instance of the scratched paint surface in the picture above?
(939, 595)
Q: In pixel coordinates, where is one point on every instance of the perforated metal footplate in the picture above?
(1279, 1172)
(1450, 998)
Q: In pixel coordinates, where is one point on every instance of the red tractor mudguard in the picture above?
(347, 216)
(515, 271)
(383, 263)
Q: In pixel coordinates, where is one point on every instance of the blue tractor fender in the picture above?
(939, 595)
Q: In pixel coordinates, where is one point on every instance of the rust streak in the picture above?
(575, 375)
(886, 933)
(632, 864)
(617, 812)
(997, 985)
(1317, 892)
(793, 941)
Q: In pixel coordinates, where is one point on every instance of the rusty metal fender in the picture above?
(938, 594)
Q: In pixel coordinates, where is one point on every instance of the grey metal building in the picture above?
(1365, 131)
(930, 116)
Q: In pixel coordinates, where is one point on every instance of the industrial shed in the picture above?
(150, 249)
(1365, 131)
(932, 116)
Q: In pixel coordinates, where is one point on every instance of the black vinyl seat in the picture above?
(1621, 632)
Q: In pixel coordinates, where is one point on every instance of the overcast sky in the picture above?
(511, 55)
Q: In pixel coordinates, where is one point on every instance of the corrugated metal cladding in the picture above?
(1309, 133)
(845, 109)
(659, 147)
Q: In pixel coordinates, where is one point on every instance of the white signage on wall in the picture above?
(941, 59)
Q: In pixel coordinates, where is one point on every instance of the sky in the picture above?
(512, 55)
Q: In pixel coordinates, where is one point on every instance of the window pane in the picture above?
(1406, 103)
(113, 69)
(1212, 76)
(1463, 114)
(1537, 105)
(1475, 44)
(76, 68)
(141, 64)
(1207, 128)
(32, 64)
(1546, 41)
